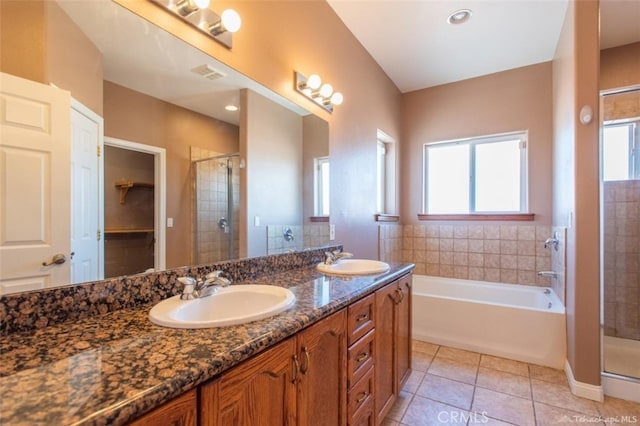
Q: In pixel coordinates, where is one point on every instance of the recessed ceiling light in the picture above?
(459, 16)
(231, 108)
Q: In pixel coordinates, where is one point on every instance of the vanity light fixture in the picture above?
(197, 13)
(231, 108)
(322, 94)
(459, 16)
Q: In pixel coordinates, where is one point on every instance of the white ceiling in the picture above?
(410, 39)
(417, 48)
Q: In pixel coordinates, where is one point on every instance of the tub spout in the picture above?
(548, 274)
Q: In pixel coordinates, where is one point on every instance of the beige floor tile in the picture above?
(549, 415)
(618, 408)
(458, 355)
(503, 407)
(504, 364)
(420, 361)
(425, 412)
(501, 381)
(447, 391)
(454, 370)
(424, 347)
(547, 374)
(400, 406)
(414, 380)
(479, 419)
(560, 396)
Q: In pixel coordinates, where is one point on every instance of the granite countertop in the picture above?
(112, 368)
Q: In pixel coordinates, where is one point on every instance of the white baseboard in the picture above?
(584, 390)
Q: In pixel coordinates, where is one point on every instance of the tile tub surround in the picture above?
(509, 254)
(42, 308)
(109, 369)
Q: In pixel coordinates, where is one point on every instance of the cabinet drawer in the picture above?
(360, 318)
(364, 416)
(360, 358)
(360, 396)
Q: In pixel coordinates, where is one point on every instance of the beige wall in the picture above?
(39, 42)
(620, 66)
(136, 117)
(278, 37)
(271, 182)
(518, 99)
(575, 79)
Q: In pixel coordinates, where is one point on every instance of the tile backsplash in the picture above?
(497, 253)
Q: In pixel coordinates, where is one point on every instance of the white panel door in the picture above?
(86, 210)
(34, 184)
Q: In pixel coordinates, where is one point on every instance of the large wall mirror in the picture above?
(197, 163)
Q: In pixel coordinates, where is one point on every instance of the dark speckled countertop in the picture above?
(112, 368)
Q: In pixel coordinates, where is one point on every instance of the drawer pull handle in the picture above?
(296, 368)
(362, 356)
(304, 368)
(362, 317)
(361, 397)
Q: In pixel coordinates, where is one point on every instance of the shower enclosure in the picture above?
(216, 208)
(620, 251)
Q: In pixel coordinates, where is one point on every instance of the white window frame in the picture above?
(318, 188)
(522, 136)
(633, 171)
(386, 176)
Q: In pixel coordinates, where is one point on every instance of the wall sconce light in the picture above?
(322, 94)
(197, 13)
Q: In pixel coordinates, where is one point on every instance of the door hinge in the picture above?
(99, 149)
(523, 144)
(99, 234)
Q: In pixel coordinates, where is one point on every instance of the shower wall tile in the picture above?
(621, 270)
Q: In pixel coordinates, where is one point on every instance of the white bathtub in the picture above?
(524, 323)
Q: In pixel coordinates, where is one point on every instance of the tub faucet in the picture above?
(195, 289)
(332, 257)
(548, 274)
(554, 241)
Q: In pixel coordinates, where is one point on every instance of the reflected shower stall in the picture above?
(216, 207)
(620, 251)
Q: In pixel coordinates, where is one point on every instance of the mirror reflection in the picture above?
(197, 163)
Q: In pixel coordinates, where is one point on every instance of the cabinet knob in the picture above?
(304, 368)
(362, 357)
(296, 368)
(362, 317)
(361, 397)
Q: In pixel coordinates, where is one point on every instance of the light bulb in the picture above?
(336, 98)
(201, 4)
(231, 108)
(326, 90)
(314, 82)
(231, 20)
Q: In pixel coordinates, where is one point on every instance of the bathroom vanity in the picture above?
(338, 356)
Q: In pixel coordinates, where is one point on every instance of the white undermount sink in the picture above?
(354, 267)
(232, 305)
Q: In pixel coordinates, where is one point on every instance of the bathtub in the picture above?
(524, 323)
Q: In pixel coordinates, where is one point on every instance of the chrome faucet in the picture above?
(554, 241)
(194, 289)
(332, 257)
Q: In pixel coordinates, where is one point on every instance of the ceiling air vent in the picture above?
(207, 71)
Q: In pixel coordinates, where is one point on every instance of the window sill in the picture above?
(478, 216)
(319, 219)
(386, 218)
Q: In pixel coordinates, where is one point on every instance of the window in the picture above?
(385, 174)
(321, 186)
(477, 175)
(620, 160)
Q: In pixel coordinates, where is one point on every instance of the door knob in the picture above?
(57, 259)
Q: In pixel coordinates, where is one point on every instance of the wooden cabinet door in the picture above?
(259, 392)
(385, 371)
(180, 411)
(322, 384)
(403, 337)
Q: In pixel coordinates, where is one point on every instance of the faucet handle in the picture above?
(188, 292)
(213, 274)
